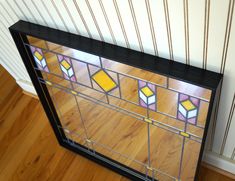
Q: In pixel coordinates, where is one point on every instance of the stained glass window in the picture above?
(147, 123)
(66, 67)
(39, 58)
(133, 116)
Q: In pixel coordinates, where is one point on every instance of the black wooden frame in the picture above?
(203, 78)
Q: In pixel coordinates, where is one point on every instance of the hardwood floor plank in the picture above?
(21, 140)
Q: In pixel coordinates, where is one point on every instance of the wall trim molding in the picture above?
(26, 86)
(219, 161)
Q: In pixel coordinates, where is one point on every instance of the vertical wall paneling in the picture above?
(112, 18)
(160, 29)
(168, 26)
(60, 13)
(100, 21)
(95, 20)
(195, 32)
(217, 27)
(144, 24)
(196, 29)
(55, 15)
(11, 9)
(107, 22)
(228, 88)
(186, 32)
(228, 143)
(128, 23)
(177, 25)
(15, 4)
(121, 23)
(233, 154)
(150, 19)
(78, 11)
(46, 12)
(206, 31)
(82, 5)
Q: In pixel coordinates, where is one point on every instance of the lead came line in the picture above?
(165, 114)
(40, 86)
(110, 149)
(78, 107)
(183, 145)
(130, 113)
(121, 98)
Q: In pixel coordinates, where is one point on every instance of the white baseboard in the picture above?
(26, 86)
(219, 161)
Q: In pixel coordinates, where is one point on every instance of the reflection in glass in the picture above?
(148, 122)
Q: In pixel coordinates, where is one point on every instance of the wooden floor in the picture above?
(29, 149)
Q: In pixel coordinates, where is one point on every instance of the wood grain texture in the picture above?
(28, 148)
(30, 151)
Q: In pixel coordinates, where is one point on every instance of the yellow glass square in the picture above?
(49, 83)
(147, 120)
(73, 92)
(147, 91)
(104, 80)
(65, 64)
(188, 105)
(38, 55)
(184, 134)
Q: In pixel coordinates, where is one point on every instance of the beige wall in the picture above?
(195, 32)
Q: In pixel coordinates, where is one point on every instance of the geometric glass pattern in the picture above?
(67, 68)
(188, 108)
(110, 94)
(104, 80)
(147, 95)
(39, 58)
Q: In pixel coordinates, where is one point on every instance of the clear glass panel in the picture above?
(148, 122)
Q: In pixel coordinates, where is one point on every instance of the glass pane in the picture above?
(146, 121)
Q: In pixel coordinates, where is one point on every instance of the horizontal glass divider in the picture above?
(119, 109)
(105, 160)
(78, 83)
(123, 155)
